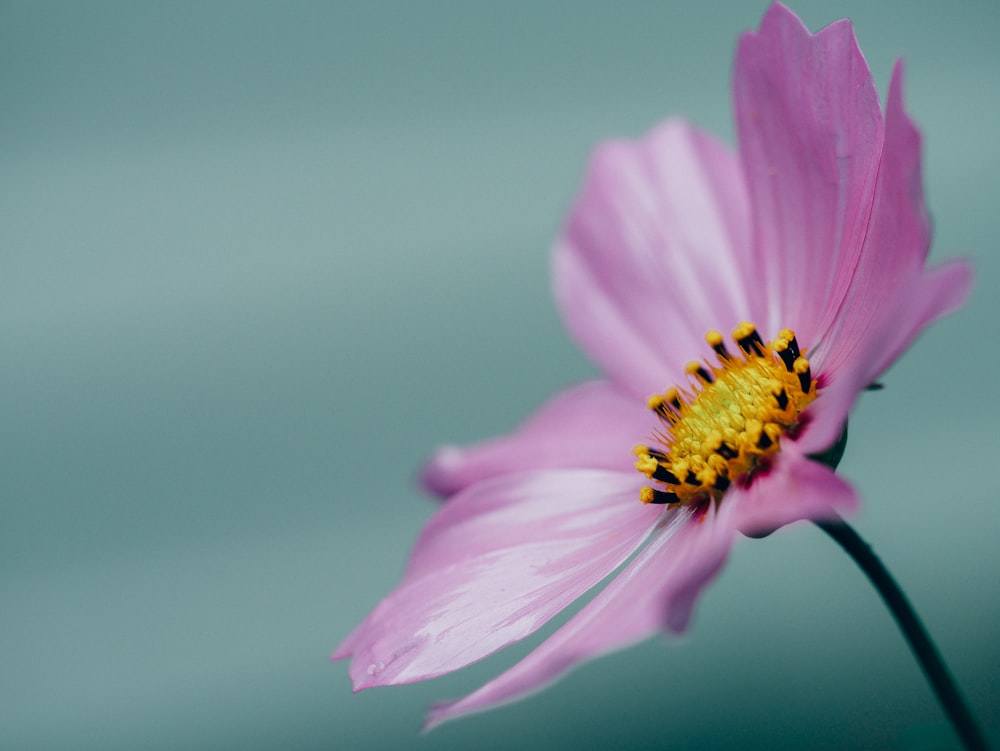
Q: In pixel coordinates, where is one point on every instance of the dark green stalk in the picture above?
(914, 632)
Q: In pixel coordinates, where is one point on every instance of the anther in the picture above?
(658, 404)
(656, 471)
(663, 474)
(715, 444)
(718, 463)
(717, 343)
(696, 369)
(646, 464)
(793, 345)
(673, 398)
(801, 367)
(784, 349)
(651, 495)
(707, 477)
(643, 450)
(727, 452)
(721, 482)
(781, 396)
(749, 340)
(769, 435)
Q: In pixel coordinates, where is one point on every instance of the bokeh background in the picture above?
(259, 259)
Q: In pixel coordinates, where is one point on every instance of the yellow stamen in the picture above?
(717, 343)
(744, 330)
(646, 464)
(734, 415)
(698, 370)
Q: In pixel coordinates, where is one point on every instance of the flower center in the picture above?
(733, 416)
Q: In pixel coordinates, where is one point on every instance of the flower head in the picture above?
(809, 246)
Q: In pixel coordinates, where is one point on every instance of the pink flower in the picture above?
(817, 224)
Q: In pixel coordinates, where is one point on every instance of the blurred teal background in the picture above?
(259, 259)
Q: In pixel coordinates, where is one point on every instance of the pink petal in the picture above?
(590, 425)
(810, 133)
(891, 298)
(826, 416)
(494, 564)
(653, 254)
(941, 291)
(656, 590)
(794, 488)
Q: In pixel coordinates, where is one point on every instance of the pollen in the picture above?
(732, 415)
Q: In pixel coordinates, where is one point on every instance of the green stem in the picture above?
(913, 630)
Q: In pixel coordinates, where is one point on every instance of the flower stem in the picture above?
(913, 630)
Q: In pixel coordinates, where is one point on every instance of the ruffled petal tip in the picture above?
(442, 474)
(810, 131)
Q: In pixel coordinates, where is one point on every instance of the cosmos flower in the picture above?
(809, 245)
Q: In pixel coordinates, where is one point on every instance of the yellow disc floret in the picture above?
(734, 414)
